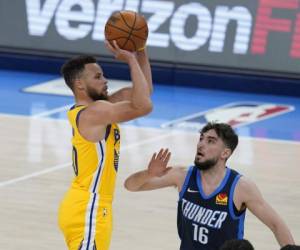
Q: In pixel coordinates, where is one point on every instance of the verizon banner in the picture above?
(259, 35)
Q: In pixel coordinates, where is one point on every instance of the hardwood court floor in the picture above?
(36, 172)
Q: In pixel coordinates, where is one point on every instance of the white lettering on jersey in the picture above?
(203, 216)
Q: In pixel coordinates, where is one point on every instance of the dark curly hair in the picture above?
(225, 132)
(74, 67)
(236, 244)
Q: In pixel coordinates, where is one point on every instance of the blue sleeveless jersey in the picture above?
(206, 222)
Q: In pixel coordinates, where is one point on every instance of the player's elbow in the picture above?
(145, 108)
(128, 185)
(148, 107)
(151, 90)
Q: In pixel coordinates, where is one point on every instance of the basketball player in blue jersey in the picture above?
(212, 197)
(85, 214)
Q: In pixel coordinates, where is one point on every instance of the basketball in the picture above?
(128, 28)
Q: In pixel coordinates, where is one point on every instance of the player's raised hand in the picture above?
(158, 163)
(120, 54)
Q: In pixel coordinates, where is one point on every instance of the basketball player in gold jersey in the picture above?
(85, 214)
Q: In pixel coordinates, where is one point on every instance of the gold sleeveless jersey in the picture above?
(95, 164)
(85, 214)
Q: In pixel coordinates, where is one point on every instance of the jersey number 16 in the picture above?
(200, 234)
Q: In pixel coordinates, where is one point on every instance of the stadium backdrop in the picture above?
(218, 39)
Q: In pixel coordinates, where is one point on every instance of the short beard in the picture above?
(206, 165)
(95, 96)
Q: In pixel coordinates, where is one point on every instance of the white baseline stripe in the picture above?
(35, 174)
(61, 166)
(52, 111)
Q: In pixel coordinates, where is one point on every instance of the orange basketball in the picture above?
(128, 28)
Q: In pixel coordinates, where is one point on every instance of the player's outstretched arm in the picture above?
(157, 175)
(140, 90)
(144, 65)
(94, 119)
(143, 59)
(254, 201)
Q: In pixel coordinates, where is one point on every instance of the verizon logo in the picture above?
(77, 19)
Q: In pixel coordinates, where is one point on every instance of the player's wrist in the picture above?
(132, 61)
(150, 174)
(142, 50)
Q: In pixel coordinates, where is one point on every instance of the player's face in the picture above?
(96, 83)
(209, 150)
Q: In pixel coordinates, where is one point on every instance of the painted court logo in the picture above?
(222, 199)
(235, 114)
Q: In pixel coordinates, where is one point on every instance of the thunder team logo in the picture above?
(222, 199)
(235, 114)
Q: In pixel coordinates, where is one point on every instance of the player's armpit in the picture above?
(255, 202)
(98, 115)
(247, 193)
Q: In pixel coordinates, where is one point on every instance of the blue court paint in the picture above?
(170, 103)
(14, 101)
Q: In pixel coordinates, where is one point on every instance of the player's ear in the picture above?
(226, 153)
(78, 84)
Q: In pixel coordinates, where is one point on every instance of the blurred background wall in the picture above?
(240, 45)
